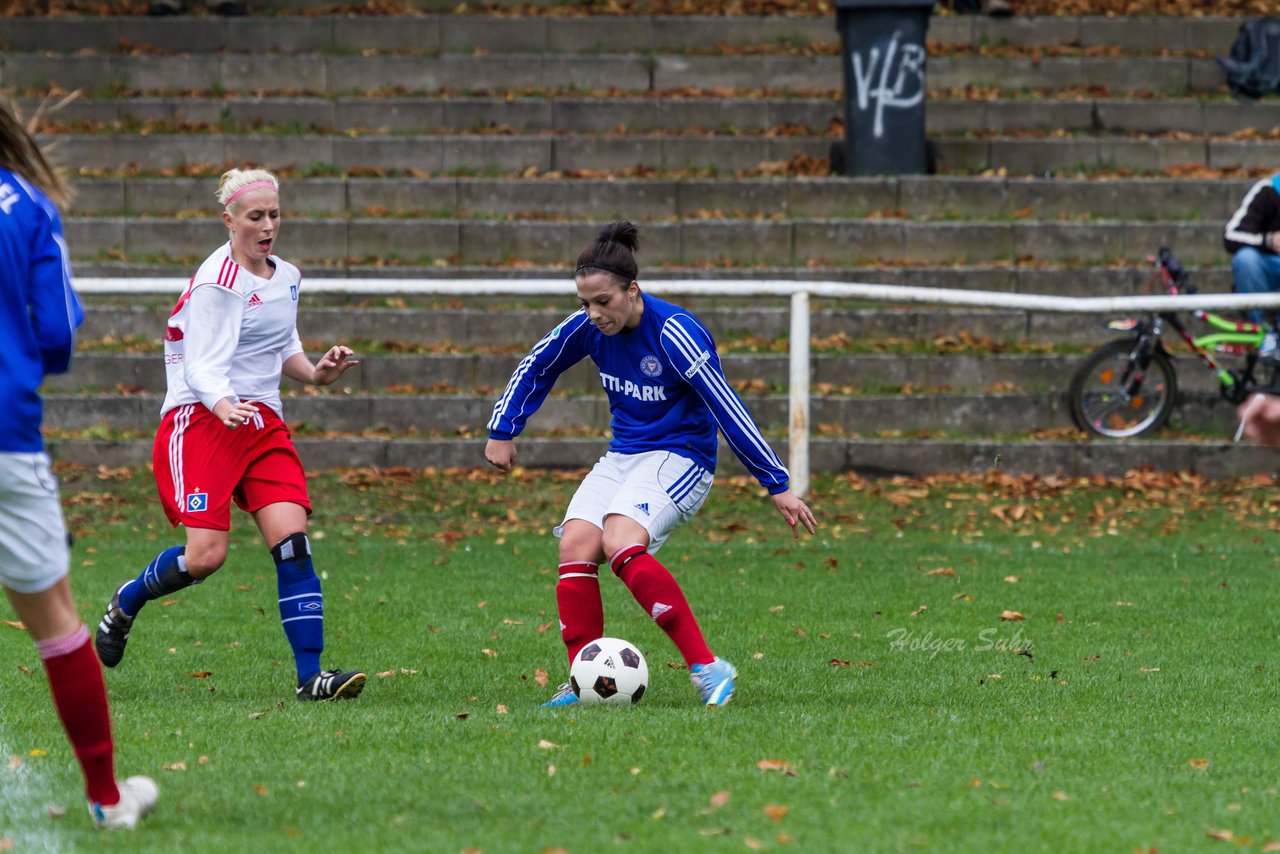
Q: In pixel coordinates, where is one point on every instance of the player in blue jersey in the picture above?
(39, 314)
(668, 397)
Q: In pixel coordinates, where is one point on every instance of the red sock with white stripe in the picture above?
(80, 695)
(578, 600)
(660, 595)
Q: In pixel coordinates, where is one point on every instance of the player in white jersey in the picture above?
(222, 437)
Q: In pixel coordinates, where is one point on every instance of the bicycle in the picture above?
(1128, 387)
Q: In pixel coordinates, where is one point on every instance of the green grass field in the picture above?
(883, 704)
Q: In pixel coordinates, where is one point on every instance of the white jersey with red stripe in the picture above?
(230, 333)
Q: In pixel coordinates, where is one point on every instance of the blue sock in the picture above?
(301, 604)
(164, 575)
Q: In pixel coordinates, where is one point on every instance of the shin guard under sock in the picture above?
(660, 595)
(75, 679)
(166, 574)
(578, 601)
(301, 604)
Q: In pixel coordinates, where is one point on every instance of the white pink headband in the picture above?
(256, 185)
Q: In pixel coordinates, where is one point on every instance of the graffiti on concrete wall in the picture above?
(889, 77)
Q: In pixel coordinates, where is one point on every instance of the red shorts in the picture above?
(200, 466)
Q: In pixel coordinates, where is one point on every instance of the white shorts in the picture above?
(33, 537)
(660, 490)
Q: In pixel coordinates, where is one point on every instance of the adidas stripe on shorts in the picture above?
(660, 490)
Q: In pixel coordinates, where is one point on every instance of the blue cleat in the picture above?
(564, 697)
(714, 681)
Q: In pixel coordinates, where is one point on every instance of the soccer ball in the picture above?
(609, 670)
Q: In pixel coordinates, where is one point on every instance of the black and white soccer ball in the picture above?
(609, 670)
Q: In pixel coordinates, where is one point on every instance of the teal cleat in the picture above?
(565, 696)
(714, 681)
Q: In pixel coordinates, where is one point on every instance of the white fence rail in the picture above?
(799, 293)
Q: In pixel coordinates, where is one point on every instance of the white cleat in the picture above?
(137, 796)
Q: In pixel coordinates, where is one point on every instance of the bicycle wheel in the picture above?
(1112, 398)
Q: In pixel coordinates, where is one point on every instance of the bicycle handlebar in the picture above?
(1164, 256)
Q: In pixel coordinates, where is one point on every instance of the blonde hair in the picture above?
(234, 180)
(20, 153)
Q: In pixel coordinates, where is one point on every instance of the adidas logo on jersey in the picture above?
(255, 301)
(658, 610)
(643, 508)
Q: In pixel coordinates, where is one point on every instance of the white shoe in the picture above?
(137, 796)
(1269, 348)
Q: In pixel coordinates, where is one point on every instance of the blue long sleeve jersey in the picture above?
(39, 312)
(666, 389)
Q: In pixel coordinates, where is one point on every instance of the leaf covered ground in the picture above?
(954, 663)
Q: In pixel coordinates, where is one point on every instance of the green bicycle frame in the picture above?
(1228, 333)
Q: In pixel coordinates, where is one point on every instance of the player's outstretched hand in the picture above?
(333, 364)
(501, 453)
(1260, 419)
(796, 512)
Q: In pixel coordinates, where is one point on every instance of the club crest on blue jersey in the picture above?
(197, 502)
(293, 292)
(651, 366)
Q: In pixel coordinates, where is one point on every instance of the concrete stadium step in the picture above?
(1032, 236)
(453, 415)
(907, 197)
(513, 155)
(404, 414)
(1078, 280)
(428, 34)
(468, 371)
(729, 319)
(574, 114)
(468, 153)
(869, 457)
(1092, 153)
(472, 73)
(522, 113)
(821, 242)
(586, 33)
(1118, 115)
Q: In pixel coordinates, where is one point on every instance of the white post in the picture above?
(799, 421)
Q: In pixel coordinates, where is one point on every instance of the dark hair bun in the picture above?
(623, 232)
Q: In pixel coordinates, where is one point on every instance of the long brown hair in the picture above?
(20, 153)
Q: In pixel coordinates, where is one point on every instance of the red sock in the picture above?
(578, 599)
(80, 695)
(659, 594)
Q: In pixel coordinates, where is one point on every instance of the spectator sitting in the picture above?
(1252, 236)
